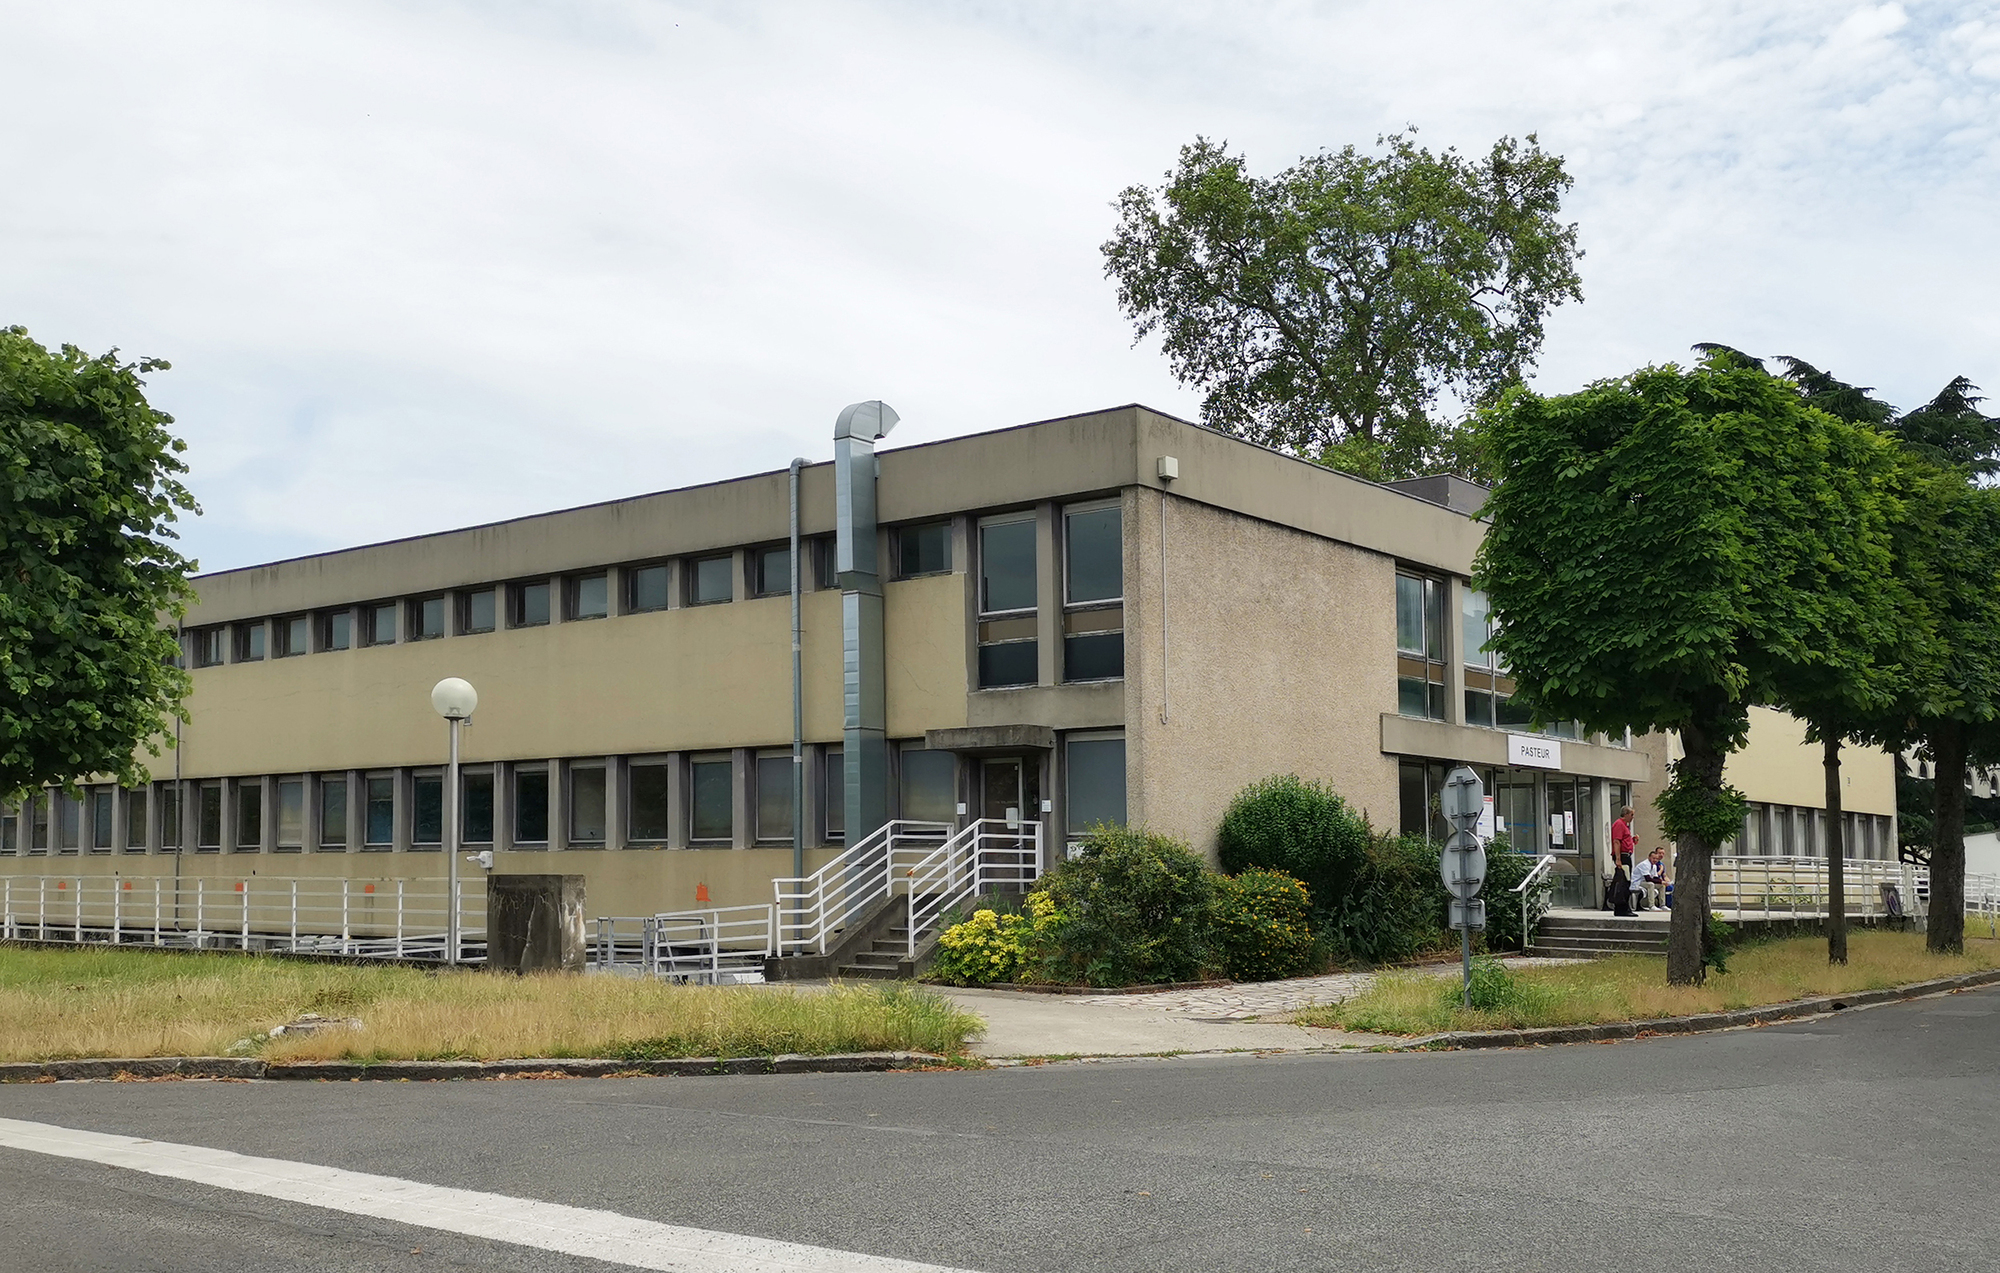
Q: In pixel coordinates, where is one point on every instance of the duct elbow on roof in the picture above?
(865, 421)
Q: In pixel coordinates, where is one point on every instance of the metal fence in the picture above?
(1798, 888)
(718, 946)
(393, 919)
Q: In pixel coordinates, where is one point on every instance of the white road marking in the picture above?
(547, 1226)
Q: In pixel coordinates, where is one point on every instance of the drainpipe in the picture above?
(798, 702)
(865, 750)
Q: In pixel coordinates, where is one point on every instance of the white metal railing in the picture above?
(356, 919)
(811, 909)
(1791, 887)
(1527, 883)
(983, 855)
(712, 946)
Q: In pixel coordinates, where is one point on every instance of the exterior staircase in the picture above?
(1588, 936)
(886, 955)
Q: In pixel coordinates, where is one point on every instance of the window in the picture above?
(711, 799)
(208, 647)
(378, 624)
(103, 819)
(833, 793)
(586, 806)
(531, 806)
(824, 553)
(1094, 782)
(771, 572)
(426, 811)
(69, 823)
(170, 816)
(774, 798)
(426, 618)
(923, 550)
(475, 611)
(528, 605)
(333, 815)
(10, 831)
(1488, 689)
(476, 807)
(336, 630)
(135, 820)
(294, 636)
(291, 815)
(1007, 600)
(249, 816)
(647, 813)
(379, 816)
(1093, 594)
(589, 597)
(930, 786)
(249, 642)
(646, 588)
(38, 822)
(1420, 646)
(708, 581)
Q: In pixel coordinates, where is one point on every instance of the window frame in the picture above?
(631, 589)
(1072, 833)
(573, 596)
(462, 619)
(515, 805)
(759, 761)
(691, 579)
(902, 538)
(571, 804)
(303, 785)
(414, 617)
(630, 795)
(210, 646)
(1015, 617)
(369, 779)
(695, 762)
(517, 596)
(1077, 613)
(249, 641)
(281, 636)
(370, 615)
(323, 625)
(753, 565)
(321, 788)
(1433, 599)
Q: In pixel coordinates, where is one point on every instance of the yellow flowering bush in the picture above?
(987, 948)
(1260, 925)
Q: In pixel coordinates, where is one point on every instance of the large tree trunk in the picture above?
(1946, 929)
(1836, 858)
(1701, 764)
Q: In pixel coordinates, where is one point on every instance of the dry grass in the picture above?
(60, 1004)
(1633, 988)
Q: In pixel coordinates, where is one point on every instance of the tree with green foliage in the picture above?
(1655, 563)
(1329, 310)
(89, 661)
(1304, 829)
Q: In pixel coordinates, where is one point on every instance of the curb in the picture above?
(244, 1068)
(1700, 1023)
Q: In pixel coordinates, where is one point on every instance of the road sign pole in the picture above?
(1465, 938)
(1463, 862)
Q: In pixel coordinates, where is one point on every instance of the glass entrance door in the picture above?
(1010, 788)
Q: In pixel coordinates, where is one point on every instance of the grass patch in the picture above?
(1633, 987)
(65, 1004)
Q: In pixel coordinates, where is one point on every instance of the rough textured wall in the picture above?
(1277, 656)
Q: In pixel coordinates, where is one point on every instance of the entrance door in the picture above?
(1003, 787)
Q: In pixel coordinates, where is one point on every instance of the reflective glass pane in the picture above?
(135, 818)
(381, 825)
(1476, 631)
(1096, 555)
(1098, 656)
(711, 798)
(477, 808)
(1007, 566)
(586, 805)
(381, 624)
(649, 588)
(923, 550)
(477, 611)
(835, 794)
(531, 604)
(649, 803)
(249, 815)
(531, 806)
(102, 818)
(336, 631)
(1096, 783)
(333, 813)
(774, 797)
(929, 793)
(427, 809)
(774, 571)
(291, 814)
(1409, 614)
(708, 581)
(593, 597)
(1015, 663)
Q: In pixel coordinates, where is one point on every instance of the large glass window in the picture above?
(208, 818)
(923, 550)
(291, 815)
(930, 786)
(1008, 653)
(170, 816)
(69, 823)
(586, 806)
(249, 815)
(208, 646)
(712, 799)
(647, 587)
(1095, 781)
(1093, 593)
(771, 571)
(426, 618)
(135, 819)
(294, 636)
(103, 819)
(332, 814)
(774, 798)
(426, 811)
(378, 624)
(10, 830)
(1420, 642)
(37, 818)
(336, 630)
(477, 807)
(647, 816)
(529, 605)
(476, 611)
(589, 596)
(380, 816)
(531, 807)
(833, 792)
(708, 581)
(249, 642)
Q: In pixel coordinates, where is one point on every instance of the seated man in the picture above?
(1650, 883)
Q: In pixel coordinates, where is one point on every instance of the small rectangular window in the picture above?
(1095, 782)
(475, 611)
(771, 571)
(294, 636)
(774, 798)
(69, 823)
(208, 647)
(589, 596)
(378, 624)
(712, 800)
(1420, 640)
(531, 806)
(336, 630)
(528, 605)
(333, 814)
(249, 642)
(135, 819)
(426, 618)
(10, 830)
(930, 785)
(477, 809)
(586, 806)
(249, 816)
(1093, 594)
(38, 822)
(646, 588)
(426, 811)
(170, 816)
(923, 550)
(647, 816)
(825, 557)
(291, 815)
(833, 792)
(103, 819)
(708, 581)
(379, 819)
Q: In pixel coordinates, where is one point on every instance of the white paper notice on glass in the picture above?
(1569, 822)
(1555, 828)
(1486, 822)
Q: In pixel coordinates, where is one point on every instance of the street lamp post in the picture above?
(454, 700)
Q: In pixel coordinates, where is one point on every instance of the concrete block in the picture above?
(534, 923)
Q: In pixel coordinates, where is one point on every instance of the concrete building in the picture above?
(1114, 617)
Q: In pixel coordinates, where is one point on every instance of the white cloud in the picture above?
(420, 265)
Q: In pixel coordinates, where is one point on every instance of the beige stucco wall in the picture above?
(1778, 766)
(1304, 696)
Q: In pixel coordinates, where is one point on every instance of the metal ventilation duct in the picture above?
(865, 751)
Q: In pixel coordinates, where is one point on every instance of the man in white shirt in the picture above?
(1651, 880)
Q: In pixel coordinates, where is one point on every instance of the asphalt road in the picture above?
(1867, 1140)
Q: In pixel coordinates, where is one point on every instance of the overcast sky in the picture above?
(424, 264)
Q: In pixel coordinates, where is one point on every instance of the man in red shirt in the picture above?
(1622, 846)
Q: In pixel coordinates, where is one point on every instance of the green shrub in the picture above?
(987, 948)
(1302, 828)
(1717, 938)
(1261, 929)
(1505, 869)
(1495, 988)
(1395, 908)
(1132, 908)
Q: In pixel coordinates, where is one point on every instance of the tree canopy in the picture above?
(1330, 310)
(89, 489)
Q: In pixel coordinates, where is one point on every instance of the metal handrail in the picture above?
(1541, 868)
(984, 853)
(811, 908)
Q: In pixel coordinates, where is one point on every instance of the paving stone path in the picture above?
(1272, 998)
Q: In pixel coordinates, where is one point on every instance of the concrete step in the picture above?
(1587, 952)
(1553, 945)
(1623, 932)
